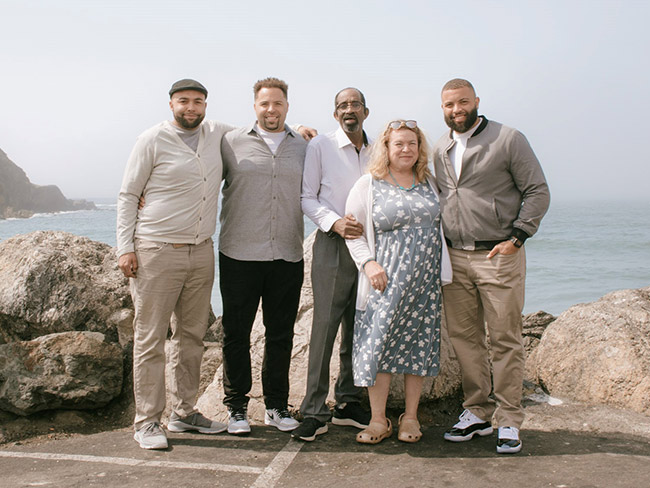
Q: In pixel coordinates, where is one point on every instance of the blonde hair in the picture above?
(378, 164)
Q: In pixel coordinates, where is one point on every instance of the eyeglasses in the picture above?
(398, 124)
(346, 105)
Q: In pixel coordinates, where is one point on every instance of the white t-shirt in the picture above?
(272, 139)
(456, 152)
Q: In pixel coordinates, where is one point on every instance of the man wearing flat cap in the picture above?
(166, 250)
(165, 247)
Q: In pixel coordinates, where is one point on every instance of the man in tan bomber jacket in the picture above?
(493, 196)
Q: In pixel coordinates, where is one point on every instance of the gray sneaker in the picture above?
(195, 422)
(151, 436)
(238, 422)
(280, 418)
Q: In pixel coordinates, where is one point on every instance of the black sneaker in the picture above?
(468, 426)
(309, 429)
(508, 442)
(351, 414)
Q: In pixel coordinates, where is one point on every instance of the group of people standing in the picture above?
(395, 241)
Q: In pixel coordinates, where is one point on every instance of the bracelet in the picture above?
(363, 266)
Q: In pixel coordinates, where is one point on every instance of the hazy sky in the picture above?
(81, 79)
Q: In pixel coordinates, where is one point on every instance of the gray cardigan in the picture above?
(501, 192)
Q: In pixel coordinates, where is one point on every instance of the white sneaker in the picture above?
(151, 436)
(281, 419)
(508, 442)
(238, 422)
(467, 427)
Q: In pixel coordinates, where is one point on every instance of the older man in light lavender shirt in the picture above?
(334, 162)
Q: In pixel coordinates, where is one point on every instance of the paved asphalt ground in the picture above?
(268, 458)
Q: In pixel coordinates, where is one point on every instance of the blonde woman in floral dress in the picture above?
(403, 263)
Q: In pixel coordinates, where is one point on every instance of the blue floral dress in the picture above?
(399, 331)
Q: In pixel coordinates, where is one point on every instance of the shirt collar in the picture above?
(289, 130)
(343, 140)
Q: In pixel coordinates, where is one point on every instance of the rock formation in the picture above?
(55, 282)
(66, 333)
(75, 370)
(21, 198)
(599, 352)
(210, 403)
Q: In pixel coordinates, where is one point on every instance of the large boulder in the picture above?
(210, 403)
(599, 352)
(55, 282)
(75, 370)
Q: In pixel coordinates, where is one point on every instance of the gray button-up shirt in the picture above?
(261, 218)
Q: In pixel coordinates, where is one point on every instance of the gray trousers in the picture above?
(334, 284)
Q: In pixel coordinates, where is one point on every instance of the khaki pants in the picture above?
(172, 284)
(488, 292)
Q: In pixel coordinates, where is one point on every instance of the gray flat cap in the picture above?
(188, 84)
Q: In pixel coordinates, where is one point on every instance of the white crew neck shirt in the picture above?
(272, 139)
(456, 153)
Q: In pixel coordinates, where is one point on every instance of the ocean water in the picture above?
(582, 251)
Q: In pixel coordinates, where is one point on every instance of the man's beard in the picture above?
(186, 124)
(351, 125)
(470, 120)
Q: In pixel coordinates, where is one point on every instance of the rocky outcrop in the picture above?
(20, 198)
(55, 282)
(445, 384)
(599, 352)
(73, 370)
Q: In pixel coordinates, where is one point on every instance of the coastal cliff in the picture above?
(20, 198)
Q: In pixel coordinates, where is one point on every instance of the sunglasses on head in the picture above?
(398, 124)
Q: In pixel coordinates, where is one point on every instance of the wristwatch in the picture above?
(516, 242)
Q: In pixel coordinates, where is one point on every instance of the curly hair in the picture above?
(379, 163)
(271, 83)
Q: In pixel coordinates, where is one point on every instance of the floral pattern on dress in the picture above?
(399, 331)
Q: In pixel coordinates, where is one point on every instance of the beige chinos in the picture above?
(173, 287)
(488, 293)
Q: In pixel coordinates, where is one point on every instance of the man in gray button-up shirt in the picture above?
(261, 253)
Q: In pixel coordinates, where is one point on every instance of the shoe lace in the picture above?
(466, 418)
(511, 433)
(283, 413)
(238, 415)
(152, 428)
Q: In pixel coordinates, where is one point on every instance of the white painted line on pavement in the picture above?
(135, 462)
(279, 465)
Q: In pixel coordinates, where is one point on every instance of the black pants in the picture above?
(242, 284)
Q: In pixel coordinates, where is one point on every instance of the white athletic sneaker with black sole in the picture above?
(281, 419)
(468, 426)
(508, 442)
